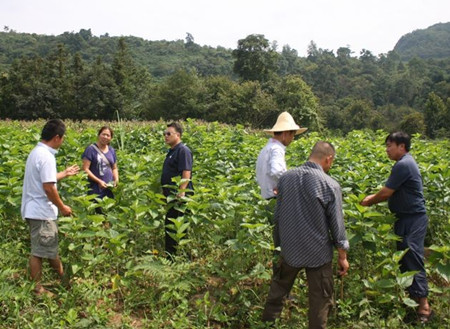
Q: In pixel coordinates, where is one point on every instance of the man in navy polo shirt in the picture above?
(404, 192)
(178, 163)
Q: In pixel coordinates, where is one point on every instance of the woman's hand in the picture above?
(102, 185)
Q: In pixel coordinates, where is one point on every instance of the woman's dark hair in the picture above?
(178, 128)
(53, 128)
(399, 137)
(106, 128)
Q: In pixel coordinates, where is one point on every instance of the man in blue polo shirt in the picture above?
(178, 163)
(404, 192)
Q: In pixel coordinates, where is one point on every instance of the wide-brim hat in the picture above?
(285, 122)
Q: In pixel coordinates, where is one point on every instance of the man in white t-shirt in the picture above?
(41, 201)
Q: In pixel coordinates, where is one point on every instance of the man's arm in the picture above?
(337, 229)
(69, 171)
(335, 219)
(53, 196)
(277, 163)
(185, 174)
(382, 195)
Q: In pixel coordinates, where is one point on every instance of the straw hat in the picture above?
(285, 122)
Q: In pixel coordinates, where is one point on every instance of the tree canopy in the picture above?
(433, 42)
(80, 76)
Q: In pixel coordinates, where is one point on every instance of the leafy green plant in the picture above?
(121, 279)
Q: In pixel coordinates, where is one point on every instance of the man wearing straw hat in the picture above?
(271, 163)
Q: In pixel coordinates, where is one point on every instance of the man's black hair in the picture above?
(399, 137)
(52, 128)
(278, 133)
(178, 128)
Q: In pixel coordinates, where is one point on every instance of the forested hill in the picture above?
(81, 76)
(433, 42)
(161, 58)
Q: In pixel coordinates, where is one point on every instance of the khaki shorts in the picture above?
(44, 238)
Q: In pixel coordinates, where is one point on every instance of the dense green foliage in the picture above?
(160, 58)
(432, 42)
(222, 276)
(80, 76)
(64, 86)
(256, 60)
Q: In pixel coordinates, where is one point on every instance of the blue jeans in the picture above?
(412, 229)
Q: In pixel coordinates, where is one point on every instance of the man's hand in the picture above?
(72, 170)
(343, 266)
(382, 195)
(66, 210)
(367, 201)
(69, 171)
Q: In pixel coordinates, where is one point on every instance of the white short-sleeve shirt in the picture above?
(40, 168)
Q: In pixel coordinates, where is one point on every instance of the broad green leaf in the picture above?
(444, 270)
(410, 302)
(360, 208)
(75, 268)
(405, 281)
(385, 283)
(370, 214)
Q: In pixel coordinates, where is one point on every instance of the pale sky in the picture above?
(358, 24)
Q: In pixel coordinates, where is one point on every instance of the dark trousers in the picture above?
(171, 244)
(412, 230)
(320, 294)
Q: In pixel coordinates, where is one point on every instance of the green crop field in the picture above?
(221, 278)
